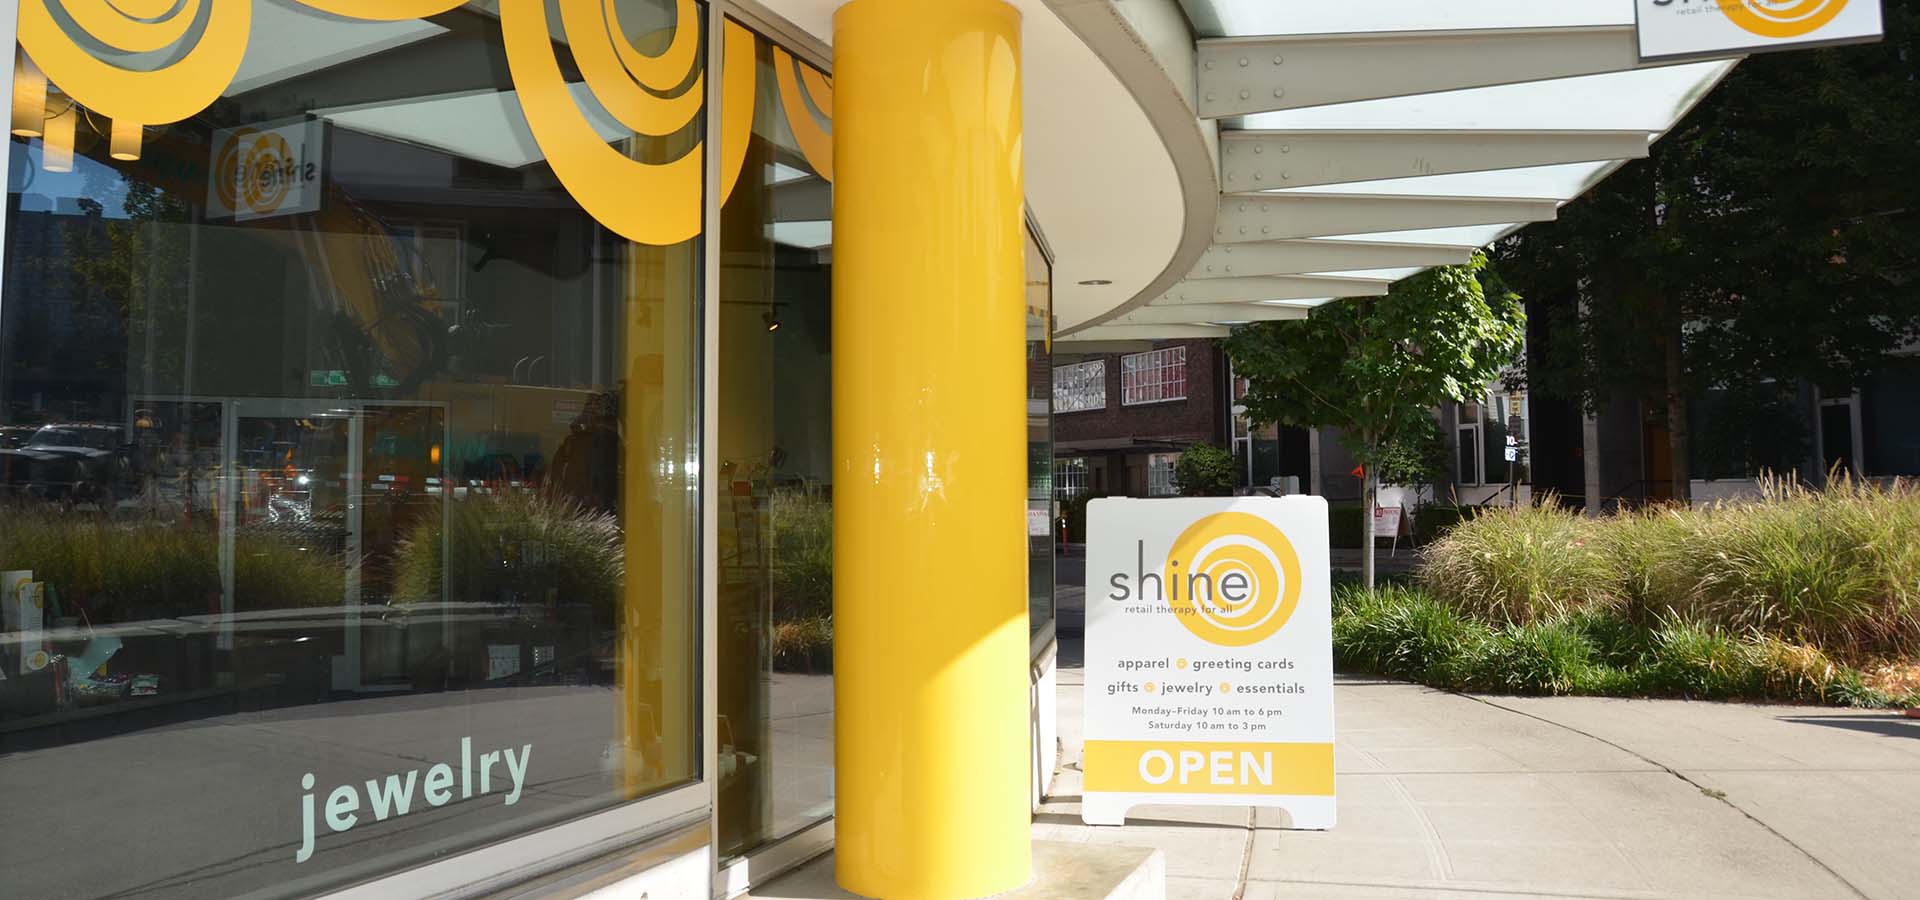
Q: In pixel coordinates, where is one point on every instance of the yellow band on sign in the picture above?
(1209, 767)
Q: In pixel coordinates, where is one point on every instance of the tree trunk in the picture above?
(1679, 437)
(1369, 496)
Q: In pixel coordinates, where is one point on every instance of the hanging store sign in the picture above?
(1209, 656)
(1669, 29)
(260, 173)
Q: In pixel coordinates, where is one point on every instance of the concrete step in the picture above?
(1061, 871)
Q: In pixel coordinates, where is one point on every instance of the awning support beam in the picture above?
(1299, 257)
(1265, 160)
(1203, 313)
(1239, 76)
(1102, 333)
(1248, 218)
(1278, 287)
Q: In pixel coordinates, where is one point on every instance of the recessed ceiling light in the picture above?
(1095, 282)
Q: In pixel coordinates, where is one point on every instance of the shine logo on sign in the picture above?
(1774, 18)
(1240, 585)
(1725, 29)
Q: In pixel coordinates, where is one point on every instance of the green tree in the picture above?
(1375, 368)
(1204, 471)
(1418, 457)
(1772, 235)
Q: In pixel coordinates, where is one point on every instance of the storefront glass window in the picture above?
(1040, 507)
(775, 481)
(348, 440)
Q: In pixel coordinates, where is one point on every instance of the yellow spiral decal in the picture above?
(594, 35)
(665, 72)
(816, 142)
(169, 93)
(1782, 18)
(383, 10)
(658, 204)
(116, 28)
(143, 9)
(739, 81)
(651, 95)
(1210, 601)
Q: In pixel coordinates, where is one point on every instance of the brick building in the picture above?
(1121, 419)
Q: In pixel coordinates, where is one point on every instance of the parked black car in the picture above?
(78, 463)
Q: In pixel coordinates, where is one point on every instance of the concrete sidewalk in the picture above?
(1455, 797)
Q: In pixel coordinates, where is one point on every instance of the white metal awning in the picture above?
(1366, 142)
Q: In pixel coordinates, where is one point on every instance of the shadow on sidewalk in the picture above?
(1891, 725)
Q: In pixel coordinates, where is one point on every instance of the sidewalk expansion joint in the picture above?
(1246, 854)
(1716, 795)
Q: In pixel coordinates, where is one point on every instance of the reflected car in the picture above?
(76, 463)
(13, 437)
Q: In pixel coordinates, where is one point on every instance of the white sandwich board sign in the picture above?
(1677, 29)
(1209, 657)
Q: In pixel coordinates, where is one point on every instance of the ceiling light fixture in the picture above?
(56, 146)
(124, 142)
(29, 98)
(1096, 282)
(772, 318)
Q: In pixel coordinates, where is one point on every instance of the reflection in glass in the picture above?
(1041, 508)
(775, 481)
(371, 480)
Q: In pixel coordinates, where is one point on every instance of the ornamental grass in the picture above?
(1835, 569)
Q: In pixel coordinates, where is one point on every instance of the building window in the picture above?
(1160, 474)
(340, 439)
(1080, 387)
(1155, 376)
(1467, 435)
(1500, 414)
(1069, 477)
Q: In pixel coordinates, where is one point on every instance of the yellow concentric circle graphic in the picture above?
(1233, 543)
(226, 168)
(628, 189)
(1782, 18)
(180, 88)
(264, 180)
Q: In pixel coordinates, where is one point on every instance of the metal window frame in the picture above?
(1077, 465)
(1088, 365)
(1157, 364)
(1462, 426)
(1154, 465)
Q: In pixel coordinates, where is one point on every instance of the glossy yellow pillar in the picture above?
(929, 433)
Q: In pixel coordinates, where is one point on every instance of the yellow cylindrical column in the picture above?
(929, 433)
